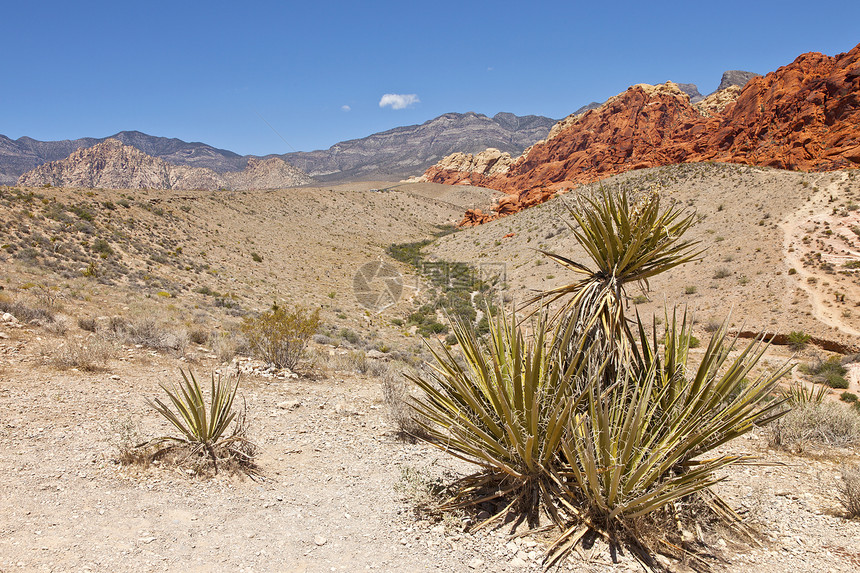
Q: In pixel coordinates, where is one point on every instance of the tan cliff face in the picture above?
(112, 165)
(803, 116)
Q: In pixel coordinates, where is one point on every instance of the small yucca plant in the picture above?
(204, 429)
(798, 394)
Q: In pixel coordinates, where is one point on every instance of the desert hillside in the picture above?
(110, 292)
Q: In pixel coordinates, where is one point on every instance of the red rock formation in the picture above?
(805, 115)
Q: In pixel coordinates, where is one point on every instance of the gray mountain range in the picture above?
(396, 153)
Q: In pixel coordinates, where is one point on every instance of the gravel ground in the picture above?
(332, 496)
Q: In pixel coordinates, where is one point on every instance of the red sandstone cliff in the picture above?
(805, 115)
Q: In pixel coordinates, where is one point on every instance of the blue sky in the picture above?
(317, 72)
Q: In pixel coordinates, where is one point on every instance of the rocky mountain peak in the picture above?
(111, 164)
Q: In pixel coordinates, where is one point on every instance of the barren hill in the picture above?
(396, 153)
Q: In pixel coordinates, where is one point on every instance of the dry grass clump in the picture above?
(397, 397)
(849, 490)
(816, 424)
(147, 332)
(89, 355)
(358, 362)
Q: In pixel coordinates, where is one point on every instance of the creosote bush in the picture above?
(588, 417)
(280, 335)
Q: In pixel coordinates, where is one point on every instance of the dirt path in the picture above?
(795, 250)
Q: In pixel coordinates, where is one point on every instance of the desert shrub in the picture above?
(825, 423)
(849, 490)
(279, 336)
(849, 397)
(350, 336)
(397, 397)
(59, 326)
(203, 428)
(836, 381)
(26, 313)
(722, 273)
(87, 324)
(797, 339)
(830, 372)
(322, 339)
(89, 355)
(147, 332)
(227, 345)
(199, 336)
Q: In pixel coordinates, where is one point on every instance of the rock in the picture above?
(9, 319)
(489, 162)
(475, 563)
(3, 335)
(805, 116)
(289, 405)
(113, 165)
(377, 355)
(319, 540)
(518, 562)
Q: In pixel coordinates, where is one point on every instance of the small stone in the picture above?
(319, 540)
(115, 377)
(517, 562)
(3, 335)
(476, 563)
(289, 405)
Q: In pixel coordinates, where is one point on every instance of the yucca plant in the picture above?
(204, 429)
(798, 394)
(592, 419)
(504, 408)
(638, 446)
(627, 243)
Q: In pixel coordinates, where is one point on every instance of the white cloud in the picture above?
(398, 101)
(345, 108)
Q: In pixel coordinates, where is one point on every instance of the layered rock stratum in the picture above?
(803, 116)
(113, 165)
